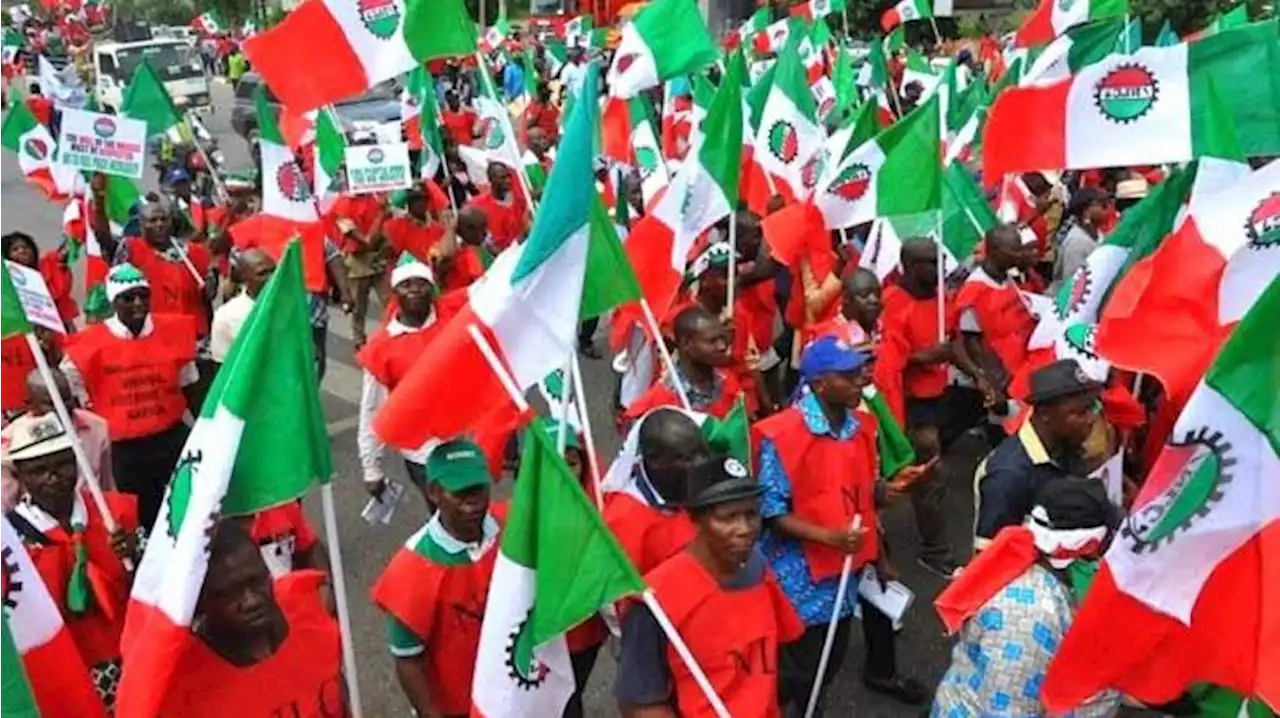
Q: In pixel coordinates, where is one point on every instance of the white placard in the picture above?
(37, 303)
(95, 142)
(378, 168)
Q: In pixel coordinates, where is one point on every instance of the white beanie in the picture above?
(123, 278)
(408, 267)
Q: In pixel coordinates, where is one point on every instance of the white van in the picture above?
(177, 64)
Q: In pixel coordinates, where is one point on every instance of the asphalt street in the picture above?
(922, 648)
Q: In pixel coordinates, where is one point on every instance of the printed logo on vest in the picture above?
(1126, 93)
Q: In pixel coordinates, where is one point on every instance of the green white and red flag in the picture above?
(558, 564)
(358, 45)
(776, 36)
(1138, 109)
(1186, 592)
(789, 138)
(666, 38)
(702, 192)
(905, 11)
(897, 173)
(421, 120)
(520, 320)
(1052, 18)
(58, 683)
(259, 442)
(120, 198)
(289, 209)
(752, 26)
(35, 149)
(1173, 309)
(209, 23)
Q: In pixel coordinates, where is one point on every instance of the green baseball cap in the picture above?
(458, 465)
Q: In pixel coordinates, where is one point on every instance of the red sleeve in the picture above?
(304, 535)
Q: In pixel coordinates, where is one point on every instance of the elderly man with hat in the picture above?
(435, 587)
(1048, 447)
(819, 468)
(1015, 602)
(79, 561)
(138, 369)
(720, 576)
(387, 357)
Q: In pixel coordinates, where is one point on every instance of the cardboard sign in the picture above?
(95, 142)
(35, 297)
(378, 168)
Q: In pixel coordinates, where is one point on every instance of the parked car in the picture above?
(360, 117)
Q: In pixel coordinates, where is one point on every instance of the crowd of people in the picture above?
(825, 359)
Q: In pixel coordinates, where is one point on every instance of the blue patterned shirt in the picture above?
(998, 665)
(813, 601)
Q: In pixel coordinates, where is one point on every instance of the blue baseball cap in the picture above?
(177, 174)
(831, 354)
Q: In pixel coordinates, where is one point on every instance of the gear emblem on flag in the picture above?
(647, 160)
(1126, 93)
(12, 581)
(528, 672)
(491, 133)
(380, 17)
(1072, 297)
(1190, 477)
(852, 182)
(36, 148)
(828, 104)
(812, 170)
(1263, 227)
(1066, 5)
(624, 63)
(291, 182)
(784, 142)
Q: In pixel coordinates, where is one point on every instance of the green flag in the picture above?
(892, 443)
(610, 281)
(1167, 36)
(146, 99)
(895, 40)
(268, 385)
(14, 320)
(18, 700)
(730, 435)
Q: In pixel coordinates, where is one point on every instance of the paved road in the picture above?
(923, 650)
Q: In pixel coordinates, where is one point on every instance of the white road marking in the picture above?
(341, 425)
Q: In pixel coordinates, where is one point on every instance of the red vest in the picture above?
(831, 481)
(173, 289)
(647, 535)
(406, 234)
(16, 359)
(96, 632)
(661, 395)
(911, 325)
(739, 656)
(302, 678)
(390, 358)
(1005, 321)
(133, 383)
(506, 220)
(444, 607)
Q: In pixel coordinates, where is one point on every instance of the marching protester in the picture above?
(434, 589)
(720, 576)
(85, 566)
(253, 269)
(388, 356)
(702, 342)
(138, 369)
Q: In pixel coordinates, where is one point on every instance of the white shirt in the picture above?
(227, 321)
(372, 396)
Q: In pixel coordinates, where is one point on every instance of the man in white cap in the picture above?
(78, 559)
(387, 357)
(137, 368)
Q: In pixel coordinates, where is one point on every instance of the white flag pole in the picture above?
(942, 285)
(841, 589)
(337, 572)
(593, 461)
(682, 649)
(64, 416)
(567, 387)
(670, 363)
(733, 261)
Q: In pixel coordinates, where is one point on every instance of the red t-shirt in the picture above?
(467, 268)
(362, 209)
(546, 118)
(406, 234)
(460, 125)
